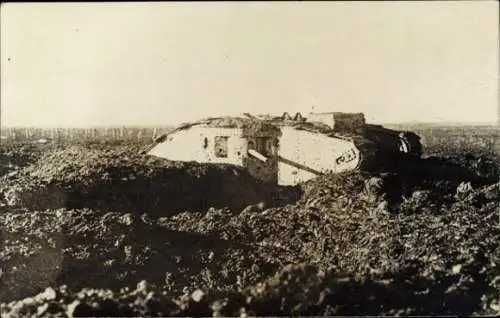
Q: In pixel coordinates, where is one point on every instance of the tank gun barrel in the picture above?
(257, 155)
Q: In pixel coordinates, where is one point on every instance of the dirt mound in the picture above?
(295, 290)
(14, 157)
(115, 250)
(381, 243)
(107, 180)
(444, 254)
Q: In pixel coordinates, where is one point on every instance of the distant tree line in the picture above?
(82, 134)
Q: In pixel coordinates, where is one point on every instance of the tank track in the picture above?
(369, 153)
(413, 142)
(379, 148)
(374, 157)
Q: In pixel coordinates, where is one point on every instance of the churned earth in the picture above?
(98, 230)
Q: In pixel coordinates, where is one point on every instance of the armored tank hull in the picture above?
(287, 150)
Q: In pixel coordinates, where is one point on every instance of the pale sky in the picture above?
(165, 63)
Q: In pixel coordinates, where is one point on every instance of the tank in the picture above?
(287, 150)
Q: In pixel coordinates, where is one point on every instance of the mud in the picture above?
(420, 240)
(108, 180)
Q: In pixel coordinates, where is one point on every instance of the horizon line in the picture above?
(138, 126)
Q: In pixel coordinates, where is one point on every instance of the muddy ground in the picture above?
(97, 230)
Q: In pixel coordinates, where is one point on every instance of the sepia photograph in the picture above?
(249, 159)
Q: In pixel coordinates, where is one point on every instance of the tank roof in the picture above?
(258, 124)
(228, 122)
(250, 126)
